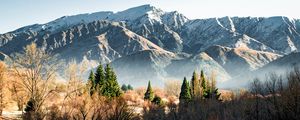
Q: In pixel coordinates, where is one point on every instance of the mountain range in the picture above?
(146, 43)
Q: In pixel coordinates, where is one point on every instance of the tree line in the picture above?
(198, 88)
(32, 86)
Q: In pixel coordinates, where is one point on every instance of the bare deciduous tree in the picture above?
(36, 68)
(172, 87)
(18, 94)
(2, 87)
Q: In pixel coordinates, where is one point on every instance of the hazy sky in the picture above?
(18, 13)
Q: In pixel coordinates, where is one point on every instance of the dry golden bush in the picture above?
(86, 107)
(3, 87)
(172, 87)
(35, 68)
(18, 93)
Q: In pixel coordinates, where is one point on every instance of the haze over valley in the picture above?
(146, 63)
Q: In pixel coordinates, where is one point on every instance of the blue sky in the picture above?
(18, 13)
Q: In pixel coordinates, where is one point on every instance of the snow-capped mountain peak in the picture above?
(136, 12)
(146, 14)
(146, 35)
(67, 21)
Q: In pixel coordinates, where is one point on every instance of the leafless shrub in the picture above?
(172, 88)
(2, 87)
(35, 68)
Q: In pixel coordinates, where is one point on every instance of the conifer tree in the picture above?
(129, 87)
(185, 94)
(99, 77)
(124, 87)
(157, 100)
(91, 83)
(149, 94)
(203, 83)
(110, 86)
(212, 90)
(195, 86)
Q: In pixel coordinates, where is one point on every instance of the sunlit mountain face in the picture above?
(146, 43)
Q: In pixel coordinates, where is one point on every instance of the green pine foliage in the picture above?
(185, 94)
(99, 76)
(157, 100)
(195, 86)
(104, 82)
(212, 91)
(213, 94)
(149, 94)
(203, 84)
(91, 83)
(129, 87)
(200, 88)
(124, 88)
(110, 86)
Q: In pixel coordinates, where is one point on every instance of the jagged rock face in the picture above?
(282, 64)
(100, 40)
(185, 66)
(143, 66)
(274, 34)
(162, 36)
(280, 33)
(240, 60)
(157, 26)
(158, 65)
(279, 67)
(146, 43)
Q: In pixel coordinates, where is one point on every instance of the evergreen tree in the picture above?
(185, 94)
(213, 94)
(195, 86)
(203, 83)
(212, 91)
(99, 77)
(149, 94)
(157, 100)
(124, 87)
(91, 83)
(110, 87)
(129, 87)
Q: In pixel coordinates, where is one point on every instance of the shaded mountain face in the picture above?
(240, 60)
(279, 67)
(160, 66)
(146, 43)
(282, 65)
(274, 34)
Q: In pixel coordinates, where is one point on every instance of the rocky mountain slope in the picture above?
(146, 43)
(282, 65)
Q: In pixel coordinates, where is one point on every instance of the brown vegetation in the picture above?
(33, 89)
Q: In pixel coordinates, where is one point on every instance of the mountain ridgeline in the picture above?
(146, 43)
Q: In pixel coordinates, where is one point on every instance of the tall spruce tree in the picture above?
(195, 86)
(212, 90)
(203, 83)
(149, 94)
(99, 78)
(91, 83)
(185, 94)
(110, 87)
